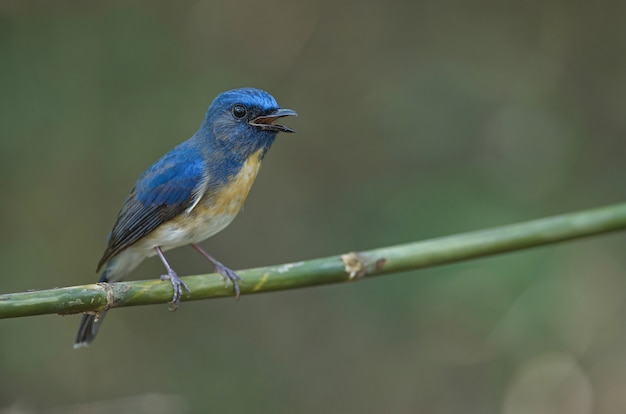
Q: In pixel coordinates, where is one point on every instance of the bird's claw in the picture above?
(178, 285)
(229, 276)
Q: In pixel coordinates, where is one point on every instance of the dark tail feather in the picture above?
(88, 329)
(90, 324)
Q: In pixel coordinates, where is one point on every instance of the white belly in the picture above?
(181, 232)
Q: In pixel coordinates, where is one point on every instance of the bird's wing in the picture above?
(172, 185)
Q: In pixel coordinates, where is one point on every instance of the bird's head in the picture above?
(244, 120)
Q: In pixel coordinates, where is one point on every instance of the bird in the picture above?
(191, 193)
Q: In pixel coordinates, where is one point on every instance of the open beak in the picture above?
(266, 122)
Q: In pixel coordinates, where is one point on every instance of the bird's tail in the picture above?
(90, 323)
(88, 329)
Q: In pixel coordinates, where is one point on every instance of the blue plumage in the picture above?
(192, 192)
(172, 179)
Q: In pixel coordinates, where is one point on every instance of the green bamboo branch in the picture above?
(334, 269)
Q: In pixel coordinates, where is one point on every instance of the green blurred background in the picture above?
(417, 119)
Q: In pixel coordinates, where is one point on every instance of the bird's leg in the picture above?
(227, 273)
(177, 283)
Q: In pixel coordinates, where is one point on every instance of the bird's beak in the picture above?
(266, 122)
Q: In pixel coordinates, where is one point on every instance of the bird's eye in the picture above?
(239, 111)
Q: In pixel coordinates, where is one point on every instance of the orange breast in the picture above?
(230, 198)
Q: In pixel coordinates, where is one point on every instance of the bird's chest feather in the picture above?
(214, 211)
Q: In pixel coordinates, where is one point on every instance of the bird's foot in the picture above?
(229, 276)
(178, 286)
